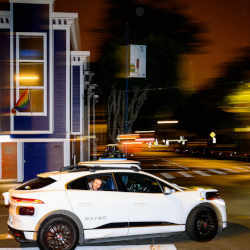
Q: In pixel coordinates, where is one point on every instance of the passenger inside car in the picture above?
(96, 184)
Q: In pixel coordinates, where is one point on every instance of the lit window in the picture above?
(31, 76)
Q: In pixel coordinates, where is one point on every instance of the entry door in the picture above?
(42, 157)
(9, 160)
(35, 159)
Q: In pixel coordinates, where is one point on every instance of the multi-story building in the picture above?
(43, 125)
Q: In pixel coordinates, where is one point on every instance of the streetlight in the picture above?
(126, 77)
(167, 122)
(95, 100)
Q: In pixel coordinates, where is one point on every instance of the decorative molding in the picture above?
(4, 20)
(58, 21)
(68, 69)
(63, 20)
(51, 72)
(80, 58)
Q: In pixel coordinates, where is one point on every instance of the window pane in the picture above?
(80, 184)
(30, 74)
(31, 48)
(36, 104)
(106, 183)
(138, 183)
(36, 183)
(105, 180)
(35, 100)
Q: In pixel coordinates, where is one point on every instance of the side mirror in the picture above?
(167, 190)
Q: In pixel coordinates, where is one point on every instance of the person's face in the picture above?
(96, 184)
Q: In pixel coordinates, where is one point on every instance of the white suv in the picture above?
(61, 209)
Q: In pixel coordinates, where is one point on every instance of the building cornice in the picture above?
(79, 57)
(63, 20)
(60, 20)
(4, 20)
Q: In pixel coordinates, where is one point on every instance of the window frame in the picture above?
(44, 61)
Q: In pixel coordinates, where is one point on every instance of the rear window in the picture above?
(36, 183)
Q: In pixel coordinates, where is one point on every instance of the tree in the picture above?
(167, 34)
(210, 108)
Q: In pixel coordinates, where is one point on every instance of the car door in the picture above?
(103, 213)
(150, 210)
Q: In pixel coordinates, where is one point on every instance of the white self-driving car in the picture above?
(62, 209)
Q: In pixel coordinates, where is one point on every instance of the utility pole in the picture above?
(126, 77)
(95, 100)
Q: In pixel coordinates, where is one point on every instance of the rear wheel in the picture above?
(202, 224)
(58, 233)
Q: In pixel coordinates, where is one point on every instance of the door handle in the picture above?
(139, 204)
(84, 204)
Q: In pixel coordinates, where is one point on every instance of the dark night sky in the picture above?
(228, 25)
(227, 22)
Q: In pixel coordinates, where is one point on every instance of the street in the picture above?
(231, 178)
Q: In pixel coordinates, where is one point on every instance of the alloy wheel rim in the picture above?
(205, 224)
(59, 236)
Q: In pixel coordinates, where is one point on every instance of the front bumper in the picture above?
(21, 236)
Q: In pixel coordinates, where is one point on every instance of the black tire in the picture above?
(59, 233)
(202, 224)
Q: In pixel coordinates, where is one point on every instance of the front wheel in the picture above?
(202, 224)
(58, 233)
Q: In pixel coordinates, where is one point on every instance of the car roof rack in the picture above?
(110, 163)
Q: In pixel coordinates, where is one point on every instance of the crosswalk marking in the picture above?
(216, 171)
(185, 174)
(168, 176)
(230, 170)
(240, 168)
(206, 172)
(201, 173)
(243, 169)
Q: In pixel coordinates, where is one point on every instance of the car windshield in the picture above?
(170, 183)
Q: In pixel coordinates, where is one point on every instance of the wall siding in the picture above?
(59, 83)
(76, 95)
(32, 18)
(4, 81)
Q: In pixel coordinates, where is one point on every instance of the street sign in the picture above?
(137, 61)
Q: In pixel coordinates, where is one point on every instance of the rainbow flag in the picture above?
(23, 102)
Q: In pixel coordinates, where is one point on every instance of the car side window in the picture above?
(97, 182)
(138, 183)
(78, 184)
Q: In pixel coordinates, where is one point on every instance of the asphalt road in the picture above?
(231, 178)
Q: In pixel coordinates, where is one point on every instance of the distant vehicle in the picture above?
(59, 210)
(113, 151)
